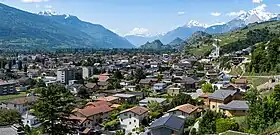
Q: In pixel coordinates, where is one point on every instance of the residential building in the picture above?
(159, 87)
(235, 108)
(185, 111)
(95, 112)
(87, 72)
(7, 88)
(65, 74)
(220, 97)
(132, 118)
(20, 104)
(170, 125)
(147, 100)
(126, 98)
(174, 91)
(30, 120)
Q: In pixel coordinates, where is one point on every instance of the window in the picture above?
(213, 106)
(129, 123)
(134, 121)
(134, 114)
(129, 115)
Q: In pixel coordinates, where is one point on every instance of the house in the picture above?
(268, 85)
(126, 98)
(132, 118)
(145, 82)
(12, 130)
(220, 97)
(159, 87)
(92, 86)
(188, 83)
(75, 88)
(95, 112)
(212, 74)
(241, 83)
(82, 123)
(174, 91)
(103, 85)
(21, 104)
(103, 77)
(195, 94)
(170, 125)
(147, 100)
(235, 108)
(110, 99)
(185, 111)
(30, 120)
(7, 87)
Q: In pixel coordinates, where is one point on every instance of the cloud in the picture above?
(215, 14)
(34, 1)
(278, 5)
(48, 6)
(138, 31)
(257, 1)
(181, 13)
(236, 13)
(37, 5)
(261, 8)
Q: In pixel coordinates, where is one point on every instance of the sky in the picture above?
(149, 17)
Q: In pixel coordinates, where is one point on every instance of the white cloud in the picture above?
(278, 5)
(48, 6)
(236, 13)
(181, 13)
(33, 1)
(257, 1)
(216, 14)
(138, 31)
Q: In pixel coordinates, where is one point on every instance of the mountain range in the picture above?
(184, 32)
(21, 29)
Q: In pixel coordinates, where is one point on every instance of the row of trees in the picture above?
(265, 58)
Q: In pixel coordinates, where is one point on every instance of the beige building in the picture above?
(185, 111)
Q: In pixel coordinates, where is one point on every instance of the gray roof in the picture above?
(8, 130)
(149, 99)
(235, 105)
(171, 121)
(222, 94)
(121, 95)
(188, 80)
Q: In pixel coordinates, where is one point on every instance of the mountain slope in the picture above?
(139, 40)
(20, 29)
(155, 45)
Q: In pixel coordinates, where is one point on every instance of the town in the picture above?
(132, 93)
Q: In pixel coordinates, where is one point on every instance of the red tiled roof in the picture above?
(90, 110)
(108, 99)
(187, 108)
(98, 103)
(137, 109)
(103, 78)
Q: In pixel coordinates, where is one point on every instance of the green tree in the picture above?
(181, 99)
(208, 88)
(54, 105)
(207, 124)
(139, 74)
(118, 75)
(83, 93)
(155, 108)
(9, 117)
(226, 124)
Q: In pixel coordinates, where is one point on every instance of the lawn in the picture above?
(256, 81)
(233, 133)
(10, 97)
(236, 71)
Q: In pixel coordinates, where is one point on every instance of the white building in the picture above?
(65, 74)
(30, 120)
(87, 72)
(132, 118)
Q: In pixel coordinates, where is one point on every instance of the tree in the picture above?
(181, 99)
(226, 124)
(53, 108)
(207, 88)
(25, 68)
(19, 65)
(155, 108)
(207, 124)
(118, 75)
(9, 117)
(40, 83)
(139, 74)
(83, 93)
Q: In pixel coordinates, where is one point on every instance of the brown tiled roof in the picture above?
(98, 103)
(108, 99)
(79, 119)
(137, 109)
(187, 108)
(91, 110)
(22, 100)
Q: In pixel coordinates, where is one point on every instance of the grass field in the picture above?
(256, 81)
(236, 71)
(10, 97)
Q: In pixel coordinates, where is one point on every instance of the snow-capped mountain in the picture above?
(47, 13)
(194, 23)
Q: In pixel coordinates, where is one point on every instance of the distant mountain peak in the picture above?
(47, 13)
(258, 14)
(193, 23)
